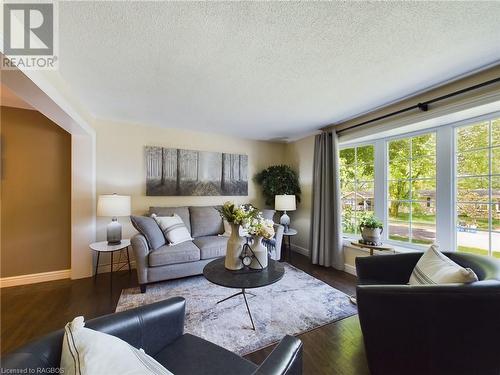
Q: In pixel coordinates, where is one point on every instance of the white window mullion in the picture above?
(445, 192)
(380, 193)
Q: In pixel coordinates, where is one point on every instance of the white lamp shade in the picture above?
(284, 202)
(113, 205)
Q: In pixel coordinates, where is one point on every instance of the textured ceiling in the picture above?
(265, 70)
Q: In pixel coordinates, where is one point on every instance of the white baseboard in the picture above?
(300, 250)
(33, 278)
(350, 269)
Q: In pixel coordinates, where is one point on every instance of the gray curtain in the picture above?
(326, 220)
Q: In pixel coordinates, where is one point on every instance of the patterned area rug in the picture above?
(295, 304)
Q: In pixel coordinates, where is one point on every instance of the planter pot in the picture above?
(234, 248)
(371, 234)
(260, 253)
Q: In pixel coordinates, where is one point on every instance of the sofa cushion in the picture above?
(205, 221)
(211, 246)
(148, 227)
(183, 213)
(180, 253)
(192, 355)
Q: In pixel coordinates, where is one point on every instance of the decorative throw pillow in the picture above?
(149, 229)
(436, 268)
(89, 352)
(173, 228)
(228, 230)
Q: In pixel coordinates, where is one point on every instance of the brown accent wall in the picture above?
(36, 194)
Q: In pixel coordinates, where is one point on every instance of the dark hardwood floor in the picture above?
(33, 310)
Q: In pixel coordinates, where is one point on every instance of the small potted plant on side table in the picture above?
(371, 229)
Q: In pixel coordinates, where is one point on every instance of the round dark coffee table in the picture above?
(244, 279)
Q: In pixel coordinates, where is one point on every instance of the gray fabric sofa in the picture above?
(188, 258)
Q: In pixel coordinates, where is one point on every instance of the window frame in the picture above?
(358, 145)
(455, 126)
(410, 201)
(446, 178)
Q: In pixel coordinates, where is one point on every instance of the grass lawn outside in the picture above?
(475, 250)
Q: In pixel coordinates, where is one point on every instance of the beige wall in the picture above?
(36, 194)
(120, 164)
(300, 156)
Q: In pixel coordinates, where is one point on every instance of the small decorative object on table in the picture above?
(259, 228)
(113, 205)
(371, 230)
(236, 216)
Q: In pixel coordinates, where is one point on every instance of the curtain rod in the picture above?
(424, 106)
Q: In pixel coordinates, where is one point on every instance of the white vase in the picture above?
(234, 248)
(260, 254)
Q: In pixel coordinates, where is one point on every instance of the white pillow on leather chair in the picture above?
(89, 352)
(436, 268)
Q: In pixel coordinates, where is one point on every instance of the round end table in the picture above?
(104, 247)
(289, 234)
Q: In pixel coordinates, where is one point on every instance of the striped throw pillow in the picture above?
(434, 267)
(173, 228)
(89, 352)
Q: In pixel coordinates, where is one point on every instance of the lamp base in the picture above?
(285, 221)
(114, 232)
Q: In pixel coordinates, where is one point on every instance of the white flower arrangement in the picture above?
(258, 226)
(238, 214)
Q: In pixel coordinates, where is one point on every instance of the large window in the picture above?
(356, 178)
(478, 188)
(412, 189)
(439, 185)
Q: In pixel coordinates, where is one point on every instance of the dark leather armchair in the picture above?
(432, 329)
(158, 329)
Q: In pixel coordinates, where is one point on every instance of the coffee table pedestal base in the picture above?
(243, 293)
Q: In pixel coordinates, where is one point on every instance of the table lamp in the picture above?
(113, 205)
(285, 203)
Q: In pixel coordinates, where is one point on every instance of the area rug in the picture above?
(295, 304)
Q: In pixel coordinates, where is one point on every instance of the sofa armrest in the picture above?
(141, 252)
(278, 236)
(285, 359)
(150, 327)
(386, 269)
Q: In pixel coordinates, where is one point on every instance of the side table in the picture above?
(289, 234)
(103, 247)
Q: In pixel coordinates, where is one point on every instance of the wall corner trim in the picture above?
(33, 278)
(301, 250)
(350, 269)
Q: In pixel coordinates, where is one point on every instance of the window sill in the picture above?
(397, 248)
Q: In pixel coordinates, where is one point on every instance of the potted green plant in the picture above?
(371, 229)
(278, 180)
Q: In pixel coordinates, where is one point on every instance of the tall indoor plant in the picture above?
(278, 180)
